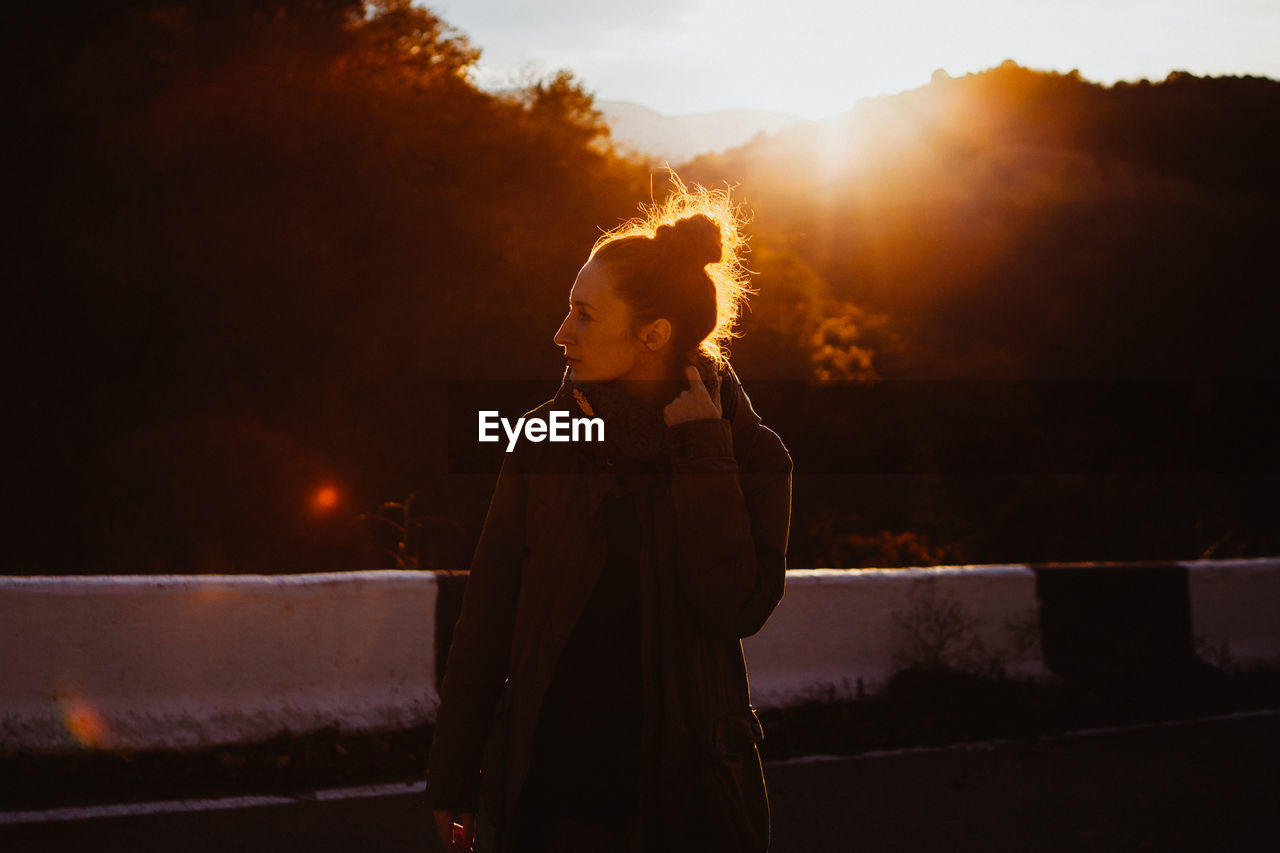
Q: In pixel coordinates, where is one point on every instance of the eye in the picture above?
(583, 314)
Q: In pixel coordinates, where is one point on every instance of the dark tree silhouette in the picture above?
(257, 239)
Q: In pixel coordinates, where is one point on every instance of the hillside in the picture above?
(256, 254)
(678, 138)
(1015, 223)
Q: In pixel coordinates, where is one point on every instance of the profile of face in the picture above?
(600, 340)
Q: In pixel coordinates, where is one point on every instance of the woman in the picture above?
(595, 696)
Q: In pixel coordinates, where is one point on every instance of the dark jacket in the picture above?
(716, 537)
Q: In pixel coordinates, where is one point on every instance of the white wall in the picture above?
(193, 661)
(1235, 611)
(188, 661)
(835, 626)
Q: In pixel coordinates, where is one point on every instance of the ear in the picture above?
(656, 334)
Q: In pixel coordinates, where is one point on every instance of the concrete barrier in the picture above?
(838, 632)
(1235, 612)
(190, 661)
(181, 662)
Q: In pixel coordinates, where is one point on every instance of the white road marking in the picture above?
(417, 787)
(206, 805)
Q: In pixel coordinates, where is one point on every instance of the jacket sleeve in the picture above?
(731, 524)
(479, 656)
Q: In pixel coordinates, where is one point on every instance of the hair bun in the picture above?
(696, 237)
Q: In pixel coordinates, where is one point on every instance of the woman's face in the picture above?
(599, 342)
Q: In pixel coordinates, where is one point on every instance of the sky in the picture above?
(816, 58)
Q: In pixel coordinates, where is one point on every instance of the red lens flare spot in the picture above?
(84, 723)
(325, 498)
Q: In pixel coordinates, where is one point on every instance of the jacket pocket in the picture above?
(733, 795)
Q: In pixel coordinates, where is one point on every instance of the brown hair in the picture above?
(680, 261)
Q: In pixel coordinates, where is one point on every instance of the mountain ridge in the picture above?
(679, 138)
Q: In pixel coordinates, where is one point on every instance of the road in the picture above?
(1207, 785)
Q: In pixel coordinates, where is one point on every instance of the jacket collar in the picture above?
(735, 405)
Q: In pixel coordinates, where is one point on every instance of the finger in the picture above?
(696, 382)
(695, 378)
(468, 834)
(698, 388)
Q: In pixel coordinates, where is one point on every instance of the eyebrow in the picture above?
(582, 304)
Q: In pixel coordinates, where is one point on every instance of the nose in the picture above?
(563, 338)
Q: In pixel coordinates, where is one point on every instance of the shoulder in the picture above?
(760, 450)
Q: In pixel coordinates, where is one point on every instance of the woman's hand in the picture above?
(692, 405)
(456, 839)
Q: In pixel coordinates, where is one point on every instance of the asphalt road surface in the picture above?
(1207, 785)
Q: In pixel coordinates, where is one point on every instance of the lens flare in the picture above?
(83, 722)
(325, 498)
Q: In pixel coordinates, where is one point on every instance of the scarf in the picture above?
(636, 443)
